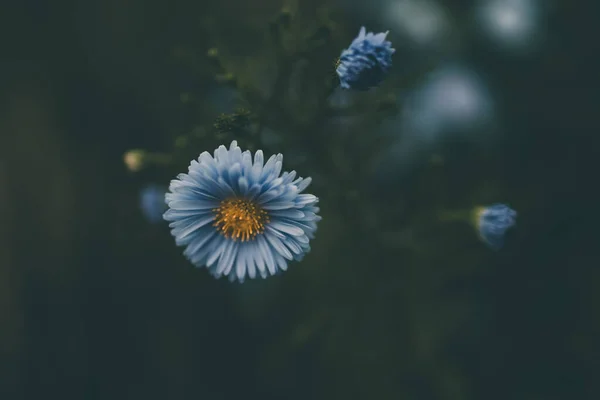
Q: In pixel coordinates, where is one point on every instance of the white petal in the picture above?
(273, 184)
(281, 263)
(235, 154)
(293, 245)
(278, 246)
(243, 185)
(304, 199)
(250, 256)
(199, 242)
(304, 225)
(259, 256)
(230, 261)
(302, 239)
(268, 166)
(226, 258)
(205, 157)
(188, 227)
(240, 265)
(288, 177)
(246, 162)
(362, 32)
(267, 253)
(191, 205)
(216, 253)
(268, 196)
(278, 205)
(235, 172)
(275, 232)
(304, 184)
(277, 169)
(286, 228)
(291, 213)
(225, 187)
(221, 155)
(259, 158)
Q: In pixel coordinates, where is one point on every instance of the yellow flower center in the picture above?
(240, 219)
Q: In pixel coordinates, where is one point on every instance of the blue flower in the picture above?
(152, 202)
(366, 62)
(492, 222)
(241, 218)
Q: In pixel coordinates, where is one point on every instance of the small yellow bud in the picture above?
(134, 160)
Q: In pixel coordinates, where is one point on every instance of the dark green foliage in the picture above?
(235, 123)
(386, 304)
(344, 288)
(397, 300)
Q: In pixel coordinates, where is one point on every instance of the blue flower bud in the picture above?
(492, 222)
(366, 62)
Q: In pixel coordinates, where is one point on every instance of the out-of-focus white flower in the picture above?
(423, 21)
(152, 202)
(512, 23)
(453, 98)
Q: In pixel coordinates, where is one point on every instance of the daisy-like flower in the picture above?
(241, 217)
(366, 62)
(492, 222)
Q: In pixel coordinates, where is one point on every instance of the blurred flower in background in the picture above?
(152, 202)
(402, 291)
(134, 160)
(509, 23)
(424, 22)
(137, 159)
(452, 101)
(240, 218)
(492, 222)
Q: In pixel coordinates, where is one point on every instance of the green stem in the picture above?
(455, 216)
(158, 158)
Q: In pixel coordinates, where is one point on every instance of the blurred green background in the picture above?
(392, 302)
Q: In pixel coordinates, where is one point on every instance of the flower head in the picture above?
(241, 217)
(152, 202)
(492, 222)
(366, 62)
